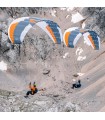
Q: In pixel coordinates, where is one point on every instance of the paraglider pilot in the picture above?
(76, 85)
(33, 89)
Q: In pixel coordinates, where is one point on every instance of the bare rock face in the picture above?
(64, 106)
(15, 102)
(46, 71)
(95, 18)
(17, 12)
(88, 11)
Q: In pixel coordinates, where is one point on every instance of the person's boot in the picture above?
(26, 96)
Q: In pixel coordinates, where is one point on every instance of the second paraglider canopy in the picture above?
(72, 35)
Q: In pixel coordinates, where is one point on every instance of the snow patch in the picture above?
(80, 74)
(70, 8)
(73, 80)
(67, 8)
(3, 66)
(80, 58)
(76, 17)
(83, 25)
(67, 16)
(79, 51)
(63, 8)
(66, 54)
(53, 12)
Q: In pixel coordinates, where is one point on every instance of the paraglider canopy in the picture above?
(19, 28)
(72, 35)
(92, 38)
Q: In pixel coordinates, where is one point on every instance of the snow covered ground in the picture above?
(67, 8)
(78, 52)
(65, 55)
(80, 74)
(3, 66)
(53, 13)
(81, 58)
(76, 17)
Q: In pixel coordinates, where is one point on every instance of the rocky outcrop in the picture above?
(15, 102)
(95, 19)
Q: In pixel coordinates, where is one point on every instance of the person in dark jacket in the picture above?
(76, 85)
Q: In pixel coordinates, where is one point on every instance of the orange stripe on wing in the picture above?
(32, 21)
(67, 38)
(11, 31)
(91, 40)
(52, 33)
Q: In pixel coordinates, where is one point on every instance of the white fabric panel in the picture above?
(77, 38)
(99, 42)
(87, 39)
(71, 29)
(26, 29)
(43, 25)
(20, 19)
(60, 33)
(64, 38)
